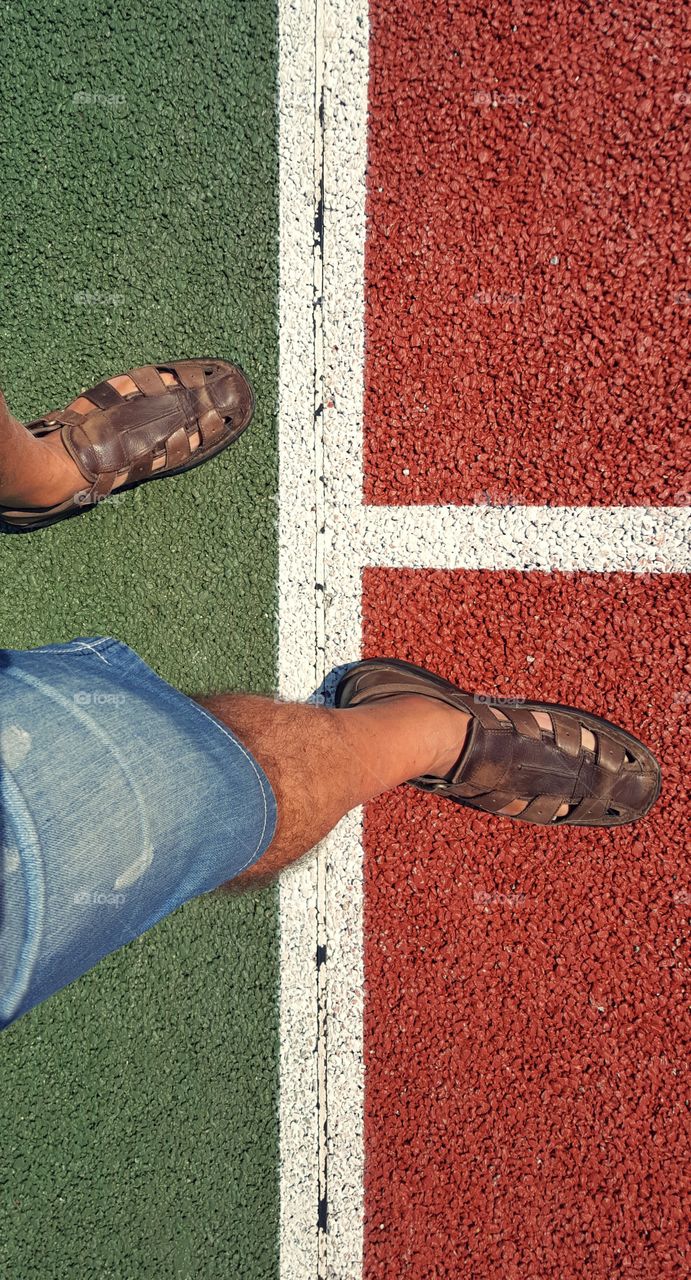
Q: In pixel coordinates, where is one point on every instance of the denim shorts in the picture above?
(120, 799)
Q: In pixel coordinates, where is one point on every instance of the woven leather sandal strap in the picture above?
(510, 758)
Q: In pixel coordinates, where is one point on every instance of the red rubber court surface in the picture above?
(527, 301)
(523, 1011)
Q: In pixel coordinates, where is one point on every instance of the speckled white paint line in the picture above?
(300, 664)
(592, 539)
(326, 537)
(346, 51)
(322, 65)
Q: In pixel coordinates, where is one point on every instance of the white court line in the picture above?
(326, 538)
(298, 623)
(346, 50)
(593, 539)
(323, 51)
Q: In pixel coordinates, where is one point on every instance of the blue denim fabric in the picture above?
(120, 799)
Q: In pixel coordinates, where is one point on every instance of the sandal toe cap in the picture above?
(636, 788)
(232, 394)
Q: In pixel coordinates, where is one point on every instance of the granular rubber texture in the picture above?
(139, 1112)
(524, 1011)
(527, 300)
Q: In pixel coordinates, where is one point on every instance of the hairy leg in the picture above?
(322, 762)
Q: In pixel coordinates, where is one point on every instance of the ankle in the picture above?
(452, 743)
(448, 730)
(404, 737)
(36, 472)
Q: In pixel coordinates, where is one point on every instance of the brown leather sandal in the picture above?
(508, 757)
(127, 433)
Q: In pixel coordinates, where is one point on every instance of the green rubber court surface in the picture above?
(139, 1105)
